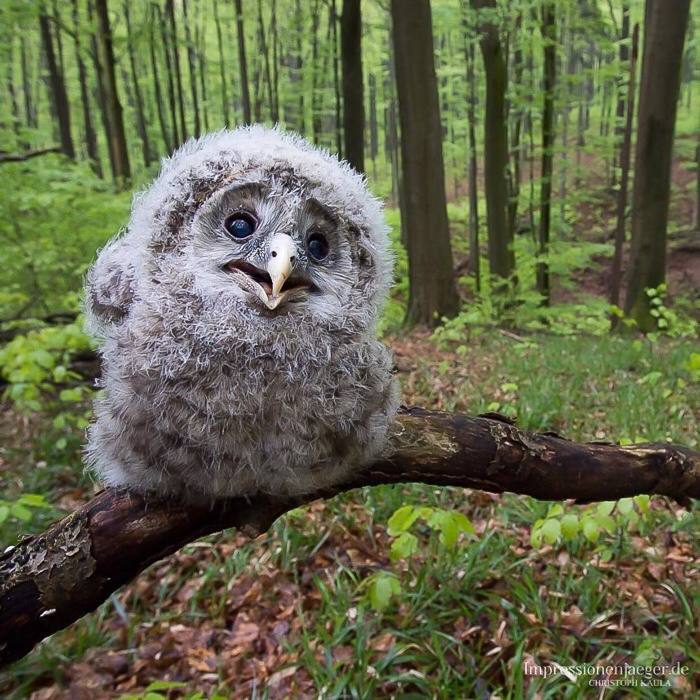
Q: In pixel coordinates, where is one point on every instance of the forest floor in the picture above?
(288, 615)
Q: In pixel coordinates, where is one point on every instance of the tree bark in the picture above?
(50, 580)
(138, 97)
(474, 253)
(169, 140)
(222, 65)
(353, 100)
(625, 152)
(424, 212)
(336, 81)
(192, 68)
(18, 157)
(550, 64)
(500, 236)
(243, 64)
(116, 135)
(172, 45)
(58, 89)
(665, 32)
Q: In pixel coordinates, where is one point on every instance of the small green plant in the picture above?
(384, 586)
(17, 515)
(562, 525)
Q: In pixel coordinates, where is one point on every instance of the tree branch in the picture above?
(50, 580)
(6, 157)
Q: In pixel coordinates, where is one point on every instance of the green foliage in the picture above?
(18, 515)
(578, 526)
(35, 363)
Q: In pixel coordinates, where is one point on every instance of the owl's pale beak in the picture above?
(279, 266)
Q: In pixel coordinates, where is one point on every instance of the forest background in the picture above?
(539, 165)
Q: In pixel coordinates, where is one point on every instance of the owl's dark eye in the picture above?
(318, 247)
(240, 225)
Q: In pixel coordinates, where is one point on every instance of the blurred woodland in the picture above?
(540, 166)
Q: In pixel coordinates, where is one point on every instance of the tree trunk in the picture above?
(222, 65)
(138, 97)
(172, 45)
(274, 38)
(623, 56)
(243, 64)
(373, 125)
(336, 82)
(29, 105)
(500, 236)
(116, 135)
(316, 122)
(474, 254)
(266, 62)
(550, 65)
(192, 69)
(424, 214)
(201, 52)
(169, 140)
(90, 135)
(169, 74)
(658, 96)
(50, 580)
(58, 89)
(625, 152)
(353, 100)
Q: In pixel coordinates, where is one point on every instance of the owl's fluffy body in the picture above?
(208, 394)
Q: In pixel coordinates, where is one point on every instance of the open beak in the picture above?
(280, 265)
(274, 284)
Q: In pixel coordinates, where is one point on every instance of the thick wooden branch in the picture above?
(49, 581)
(6, 157)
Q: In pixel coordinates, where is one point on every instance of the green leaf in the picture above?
(625, 506)
(591, 530)
(21, 512)
(382, 587)
(4, 512)
(551, 530)
(570, 526)
(607, 522)
(404, 546)
(605, 508)
(164, 685)
(402, 519)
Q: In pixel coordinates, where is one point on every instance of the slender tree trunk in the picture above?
(11, 91)
(192, 69)
(243, 64)
(300, 67)
(623, 56)
(353, 100)
(178, 137)
(316, 123)
(665, 32)
(173, 46)
(116, 135)
(500, 236)
(336, 81)
(275, 62)
(90, 134)
(222, 65)
(29, 105)
(201, 49)
(474, 254)
(373, 126)
(424, 216)
(515, 155)
(550, 65)
(138, 97)
(56, 16)
(625, 152)
(169, 140)
(266, 62)
(58, 89)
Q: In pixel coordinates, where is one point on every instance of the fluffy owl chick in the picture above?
(236, 315)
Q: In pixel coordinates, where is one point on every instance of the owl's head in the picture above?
(258, 221)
